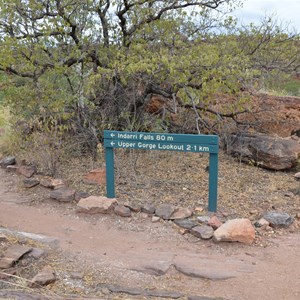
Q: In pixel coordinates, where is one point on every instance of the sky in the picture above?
(286, 11)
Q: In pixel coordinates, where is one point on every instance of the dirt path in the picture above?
(138, 253)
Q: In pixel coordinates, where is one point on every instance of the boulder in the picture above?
(271, 152)
(278, 219)
(237, 230)
(94, 177)
(96, 205)
(63, 194)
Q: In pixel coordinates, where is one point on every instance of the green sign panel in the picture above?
(161, 141)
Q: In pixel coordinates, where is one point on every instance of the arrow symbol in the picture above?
(112, 143)
(112, 134)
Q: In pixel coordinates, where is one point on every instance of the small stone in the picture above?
(297, 176)
(6, 275)
(289, 194)
(262, 223)
(7, 161)
(203, 219)
(165, 211)
(214, 222)
(95, 177)
(199, 209)
(27, 171)
(144, 215)
(12, 255)
(298, 216)
(253, 212)
(225, 214)
(96, 205)
(124, 290)
(45, 277)
(181, 213)
(30, 182)
(278, 219)
(148, 209)
(76, 275)
(186, 223)
(81, 195)
(162, 294)
(36, 253)
(12, 168)
(63, 194)
(155, 219)
(204, 232)
(237, 230)
(122, 211)
(52, 183)
(3, 238)
(135, 207)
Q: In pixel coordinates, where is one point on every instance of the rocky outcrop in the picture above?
(271, 152)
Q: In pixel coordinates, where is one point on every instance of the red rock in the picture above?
(97, 176)
(214, 222)
(96, 205)
(237, 230)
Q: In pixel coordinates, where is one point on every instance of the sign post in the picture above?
(161, 141)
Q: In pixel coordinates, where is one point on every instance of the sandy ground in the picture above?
(138, 253)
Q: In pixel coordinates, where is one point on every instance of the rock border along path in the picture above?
(148, 250)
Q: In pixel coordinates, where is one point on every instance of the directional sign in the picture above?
(145, 145)
(161, 141)
(161, 137)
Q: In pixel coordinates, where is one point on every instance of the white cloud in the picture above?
(285, 11)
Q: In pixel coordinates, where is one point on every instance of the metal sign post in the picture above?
(161, 141)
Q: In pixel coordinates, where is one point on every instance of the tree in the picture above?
(98, 63)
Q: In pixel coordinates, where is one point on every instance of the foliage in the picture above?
(94, 64)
